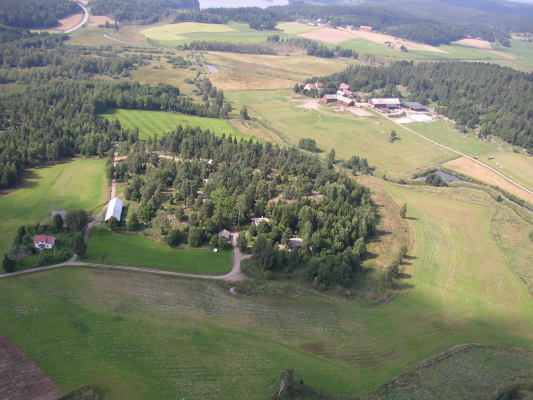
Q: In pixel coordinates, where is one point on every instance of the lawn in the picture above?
(345, 132)
(66, 186)
(159, 122)
(121, 249)
(139, 336)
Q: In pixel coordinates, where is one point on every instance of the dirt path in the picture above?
(507, 178)
(82, 22)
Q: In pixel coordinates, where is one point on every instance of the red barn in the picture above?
(365, 28)
(329, 98)
(345, 101)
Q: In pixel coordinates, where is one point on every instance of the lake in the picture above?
(242, 3)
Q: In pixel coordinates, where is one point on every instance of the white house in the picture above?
(114, 209)
(257, 221)
(43, 242)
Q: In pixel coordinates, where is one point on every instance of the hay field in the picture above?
(69, 22)
(139, 336)
(477, 43)
(519, 166)
(66, 186)
(345, 132)
(121, 249)
(328, 35)
(295, 28)
(160, 122)
(250, 71)
(172, 32)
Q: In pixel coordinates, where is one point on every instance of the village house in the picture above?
(329, 98)
(311, 86)
(414, 106)
(365, 28)
(257, 221)
(385, 104)
(344, 86)
(224, 233)
(114, 209)
(44, 242)
(345, 93)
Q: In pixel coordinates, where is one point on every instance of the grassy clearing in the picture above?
(67, 186)
(159, 122)
(345, 132)
(136, 250)
(519, 166)
(139, 336)
(295, 28)
(173, 32)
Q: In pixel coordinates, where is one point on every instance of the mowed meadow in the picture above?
(140, 336)
(348, 134)
(150, 123)
(65, 186)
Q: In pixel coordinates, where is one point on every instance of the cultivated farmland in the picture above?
(118, 249)
(66, 186)
(140, 336)
(158, 122)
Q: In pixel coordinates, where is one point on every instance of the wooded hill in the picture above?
(35, 13)
(496, 99)
(140, 11)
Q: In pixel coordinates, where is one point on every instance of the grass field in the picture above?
(519, 166)
(159, 122)
(136, 250)
(139, 336)
(66, 186)
(345, 132)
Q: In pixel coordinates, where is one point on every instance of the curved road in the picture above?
(82, 22)
(510, 180)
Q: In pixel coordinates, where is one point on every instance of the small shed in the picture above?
(224, 233)
(296, 243)
(114, 209)
(44, 242)
(257, 221)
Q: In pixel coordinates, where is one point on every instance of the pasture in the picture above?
(139, 336)
(119, 249)
(150, 123)
(66, 186)
(345, 132)
(519, 166)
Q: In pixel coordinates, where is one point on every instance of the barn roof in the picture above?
(413, 104)
(114, 209)
(344, 100)
(331, 96)
(387, 101)
(43, 239)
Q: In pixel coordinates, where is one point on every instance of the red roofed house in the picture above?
(344, 86)
(365, 28)
(44, 242)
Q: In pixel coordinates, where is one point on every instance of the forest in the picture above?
(35, 13)
(140, 11)
(395, 22)
(492, 98)
(221, 183)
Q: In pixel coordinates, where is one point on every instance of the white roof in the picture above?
(344, 99)
(386, 101)
(114, 209)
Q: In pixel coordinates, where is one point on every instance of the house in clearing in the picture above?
(311, 86)
(385, 104)
(114, 209)
(329, 98)
(224, 233)
(296, 243)
(414, 106)
(44, 242)
(344, 86)
(365, 28)
(345, 101)
(257, 221)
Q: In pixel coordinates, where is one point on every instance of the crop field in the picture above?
(159, 122)
(66, 186)
(345, 132)
(175, 34)
(119, 249)
(139, 336)
(250, 71)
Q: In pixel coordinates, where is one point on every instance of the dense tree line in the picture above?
(141, 11)
(495, 99)
(313, 47)
(35, 13)
(230, 47)
(395, 22)
(60, 119)
(221, 183)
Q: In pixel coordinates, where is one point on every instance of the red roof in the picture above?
(344, 86)
(365, 27)
(43, 239)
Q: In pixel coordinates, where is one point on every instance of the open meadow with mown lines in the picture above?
(140, 336)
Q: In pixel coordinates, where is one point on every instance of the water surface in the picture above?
(242, 3)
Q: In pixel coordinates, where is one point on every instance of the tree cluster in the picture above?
(35, 13)
(230, 47)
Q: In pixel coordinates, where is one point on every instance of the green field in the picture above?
(345, 132)
(139, 336)
(176, 34)
(121, 249)
(66, 186)
(158, 122)
(519, 166)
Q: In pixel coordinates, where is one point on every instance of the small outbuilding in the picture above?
(224, 233)
(329, 98)
(114, 209)
(44, 242)
(385, 104)
(366, 28)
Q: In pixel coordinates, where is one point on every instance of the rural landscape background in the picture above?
(316, 200)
